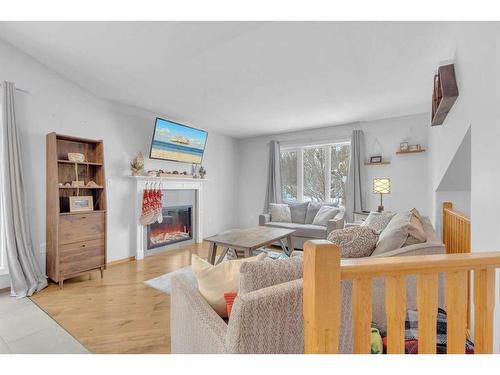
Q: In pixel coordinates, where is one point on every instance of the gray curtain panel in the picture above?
(273, 192)
(355, 178)
(25, 275)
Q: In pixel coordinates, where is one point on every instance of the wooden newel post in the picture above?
(321, 297)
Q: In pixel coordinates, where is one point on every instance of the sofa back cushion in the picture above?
(395, 234)
(324, 214)
(298, 212)
(280, 213)
(258, 275)
(313, 208)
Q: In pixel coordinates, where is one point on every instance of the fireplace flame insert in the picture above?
(175, 227)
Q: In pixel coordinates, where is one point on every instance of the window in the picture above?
(315, 173)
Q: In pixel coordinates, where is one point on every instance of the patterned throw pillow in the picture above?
(354, 242)
(378, 220)
(280, 213)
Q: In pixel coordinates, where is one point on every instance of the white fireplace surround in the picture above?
(167, 183)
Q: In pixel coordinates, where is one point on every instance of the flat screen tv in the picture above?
(177, 142)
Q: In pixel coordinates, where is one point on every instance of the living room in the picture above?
(341, 136)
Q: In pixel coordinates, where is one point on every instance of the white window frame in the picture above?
(299, 149)
(4, 270)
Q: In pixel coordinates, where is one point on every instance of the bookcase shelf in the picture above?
(76, 240)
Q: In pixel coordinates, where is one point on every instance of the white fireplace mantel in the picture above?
(166, 183)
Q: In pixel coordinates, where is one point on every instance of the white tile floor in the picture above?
(25, 328)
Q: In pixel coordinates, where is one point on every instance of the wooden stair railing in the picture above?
(324, 271)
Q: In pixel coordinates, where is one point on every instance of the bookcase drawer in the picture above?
(81, 227)
(81, 256)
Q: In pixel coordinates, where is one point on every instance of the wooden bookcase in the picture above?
(76, 241)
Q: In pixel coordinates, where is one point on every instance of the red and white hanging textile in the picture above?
(152, 204)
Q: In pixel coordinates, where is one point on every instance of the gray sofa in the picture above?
(267, 315)
(303, 226)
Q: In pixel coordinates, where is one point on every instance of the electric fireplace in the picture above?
(176, 226)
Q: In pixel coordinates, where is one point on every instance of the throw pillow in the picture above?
(214, 281)
(298, 212)
(280, 213)
(312, 210)
(354, 242)
(395, 234)
(377, 221)
(229, 298)
(258, 275)
(416, 232)
(324, 214)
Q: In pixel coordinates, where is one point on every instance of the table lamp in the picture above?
(381, 185)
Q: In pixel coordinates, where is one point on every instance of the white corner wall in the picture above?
(477, 59)
(56, 104)
(408, 173)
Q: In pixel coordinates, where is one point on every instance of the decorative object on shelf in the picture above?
(202, 171)
(81, 203)
(78, 184)
(152, 173)
(381, 185)
(413, 148)
(444, 94)
(376, 159)
(403, 146)
(60, 184)
(195, 170)
(92, 184)
(137, 165)
(76, 157)
(67, 184)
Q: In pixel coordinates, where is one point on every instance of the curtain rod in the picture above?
(18, 89)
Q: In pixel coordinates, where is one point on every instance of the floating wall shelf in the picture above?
(409, 152)
(385, 162)
(445, 93)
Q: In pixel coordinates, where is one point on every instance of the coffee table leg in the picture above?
(289, 242)
(212, 251)
(221, 257)
(283, 247)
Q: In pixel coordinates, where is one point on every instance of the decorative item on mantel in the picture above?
(76, 157)
(137, 165)
(202, 171)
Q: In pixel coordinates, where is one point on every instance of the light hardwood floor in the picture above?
(118, 314)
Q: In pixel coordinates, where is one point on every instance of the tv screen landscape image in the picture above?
(176, 142)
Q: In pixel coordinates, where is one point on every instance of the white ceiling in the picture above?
(246, 78)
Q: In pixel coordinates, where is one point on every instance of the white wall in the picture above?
(477, 58)
(408, 173)
(55, 104)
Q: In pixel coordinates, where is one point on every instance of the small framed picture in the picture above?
(414, 148)
(83, 203)
(403, 146)
(376, 159)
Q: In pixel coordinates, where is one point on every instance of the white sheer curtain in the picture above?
(24, 272)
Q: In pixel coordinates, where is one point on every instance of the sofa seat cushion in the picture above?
(258, 275)
(354, 242)
(214, 281)
(302, 230)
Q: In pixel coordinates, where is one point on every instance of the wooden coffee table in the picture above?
(248, 240)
